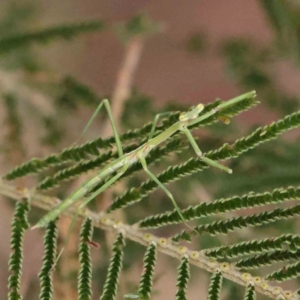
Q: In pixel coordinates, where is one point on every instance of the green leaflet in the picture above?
(146, 280)
(115, 265)
(85, 271)
(45, 275)
(250, 293)
(19, 225)
(215, 286)
(183, 277)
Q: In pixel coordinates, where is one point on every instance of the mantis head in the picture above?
(192, 113)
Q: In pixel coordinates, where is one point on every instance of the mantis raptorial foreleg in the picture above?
(202, 157)
(113, 124)
(151, 134)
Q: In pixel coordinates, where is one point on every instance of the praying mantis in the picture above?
(121, 164)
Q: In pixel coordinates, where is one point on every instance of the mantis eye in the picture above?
(200, 107)
(182, 117)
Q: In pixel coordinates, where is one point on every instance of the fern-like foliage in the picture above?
(115, 265)
(19, 225)
(145, 285)
(267, 259)
(254, 247)
(45, 275)
(226, 261)
(72, 88)
(222, 205)
(289, 271)
(260, 135)
(85, 272)
(77, 153)
(223, 227)
(183, 277)
(175, 145)
(35, 165)
(215, 286)
(62, 32)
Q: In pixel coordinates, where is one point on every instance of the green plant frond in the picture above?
(231, 224)
(74, 171)
(287, 272)
(85, 272)
(77, 153)
(115, 265)
(45, 275)
(253, 247)
(183, 277)
(74, 153)
(19, 225)
(250, 293)
(69, 31)
(236, 109)
(260, 135)
(222, 205)
(73, 88)
(146, 281)
(156, 154)
(267, 259)
(227, 112)
(215, 286)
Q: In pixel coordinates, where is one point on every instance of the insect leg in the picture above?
(105, 102)
(202, 157)
(150, 136)
(155, 179)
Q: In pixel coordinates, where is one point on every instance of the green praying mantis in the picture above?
(121, 164)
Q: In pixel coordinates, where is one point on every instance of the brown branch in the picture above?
(125, 79)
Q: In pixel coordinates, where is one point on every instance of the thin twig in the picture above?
(124, 80)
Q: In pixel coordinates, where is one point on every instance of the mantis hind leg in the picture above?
(106, 104)
(168, 193)
(202, 157)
